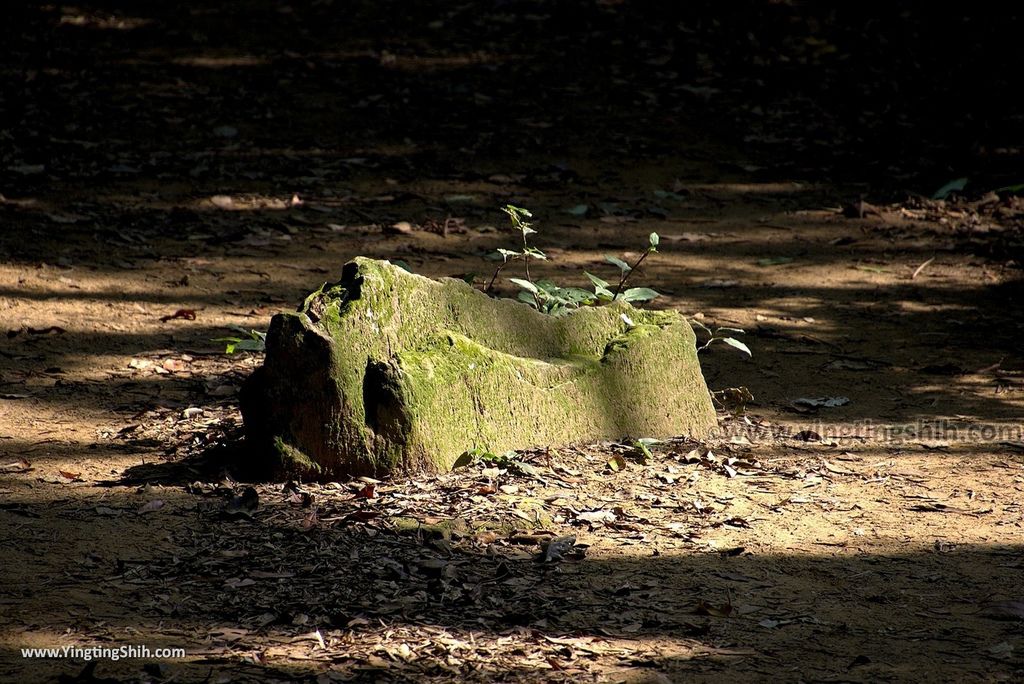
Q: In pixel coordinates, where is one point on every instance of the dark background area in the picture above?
(901, 96)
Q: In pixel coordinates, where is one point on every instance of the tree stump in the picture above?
(386, 371)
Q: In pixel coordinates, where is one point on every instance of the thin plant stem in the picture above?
(526, 257)
(526, 266)
(494, 277)
(625, 276)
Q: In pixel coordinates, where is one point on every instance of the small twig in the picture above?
(921, 268)
(994, 366)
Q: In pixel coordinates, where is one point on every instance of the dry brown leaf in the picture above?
(150, 506)
(616, 463)
(20, 465)
(186, 314)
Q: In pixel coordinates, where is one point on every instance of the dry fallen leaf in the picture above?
(839, 470)
(20, 465)
(704, 608)
(616, 463)
(150, 506)
(400, 228)
(597, 516)
(556, 549)
(311, 520)
(1005, 610)
(187, 314)
(247, 501)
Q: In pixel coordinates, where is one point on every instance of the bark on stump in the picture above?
(386, 371)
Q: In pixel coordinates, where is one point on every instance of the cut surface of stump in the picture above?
(386, 371)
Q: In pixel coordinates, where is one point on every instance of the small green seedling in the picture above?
(717, 336)
(549, 298)
(508, 460)
(953, 186)
(643, 449)
(250, 340)
(602, 289)
(1015, 189)
(518, 216)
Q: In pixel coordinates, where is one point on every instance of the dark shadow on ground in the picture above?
(841, 608)
(791, 91)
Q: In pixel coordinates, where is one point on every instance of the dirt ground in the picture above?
(168, 172)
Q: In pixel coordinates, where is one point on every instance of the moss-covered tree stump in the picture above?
(386, 371)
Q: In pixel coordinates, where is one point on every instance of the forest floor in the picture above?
(182, 171)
